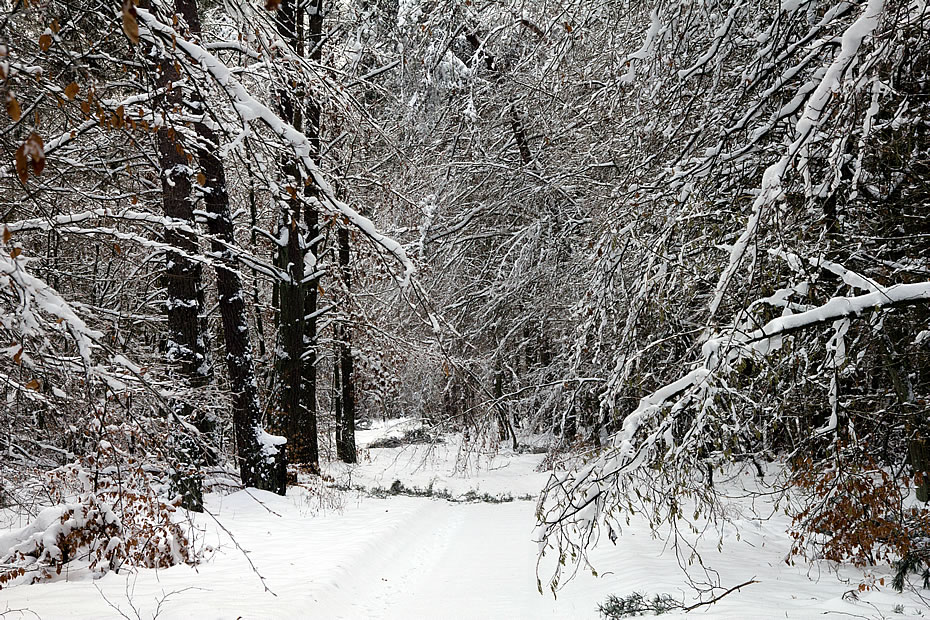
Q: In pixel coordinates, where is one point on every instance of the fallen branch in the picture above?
(717, 598)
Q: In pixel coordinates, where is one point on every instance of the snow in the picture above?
(269, 443)
(409, 13)
(841, 307)
(249, 108)
(804, 132)
(13, 273)
(327, 553)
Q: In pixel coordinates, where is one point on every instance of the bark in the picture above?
(186, 347)
(305, 428)
(258, 467)
(187, 343)
(296, 364)
(345, 422)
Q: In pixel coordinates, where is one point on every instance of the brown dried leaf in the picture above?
(71, 90)
(45, 42)
(12, 107)
(130, 21)
(32, 149)
(35, 150)
(33, 385)
(21, 163)
(7, 235)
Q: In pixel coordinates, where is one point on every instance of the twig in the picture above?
(114, 606)
(261, 503)
(165, 597)
(243, 551)
(21, 612)
(717, 598)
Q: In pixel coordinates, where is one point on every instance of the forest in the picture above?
(568, 276)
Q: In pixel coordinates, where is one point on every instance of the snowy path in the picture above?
(399, 557)
(411, 558)
(331, 554)
(461, 560)
(400, 566)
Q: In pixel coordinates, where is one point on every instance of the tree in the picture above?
(343, 366)
(788, 124)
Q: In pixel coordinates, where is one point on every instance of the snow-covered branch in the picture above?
(249, 108)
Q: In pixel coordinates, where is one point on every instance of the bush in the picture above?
(413, 436)
(855, 511)
(103, 529)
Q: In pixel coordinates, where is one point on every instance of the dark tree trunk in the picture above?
(505, 427)
(186, 347)
(257, 466)
(259, 321)
(289, 354)
(306, 428)
(297, 296)
(296, 415)
(260, 464)
(187, 343)
(345, 424)
(337, 389)
(519, 134)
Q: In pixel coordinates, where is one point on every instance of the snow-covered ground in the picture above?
(326, 553)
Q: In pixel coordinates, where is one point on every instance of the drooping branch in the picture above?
(805, 131)
(575, 501)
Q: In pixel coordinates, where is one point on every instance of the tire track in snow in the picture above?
(398, 564)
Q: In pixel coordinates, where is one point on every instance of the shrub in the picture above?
(412, 436)
(103, 529)
(855, 511)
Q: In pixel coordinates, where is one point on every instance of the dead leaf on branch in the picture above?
(33, 149)
(12, 107)
(130, 21)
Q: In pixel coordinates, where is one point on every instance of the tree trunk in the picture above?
(297, 390)
(260, 464)
(186, 347)
(187, 343)
(345, 425)
(306, 427)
